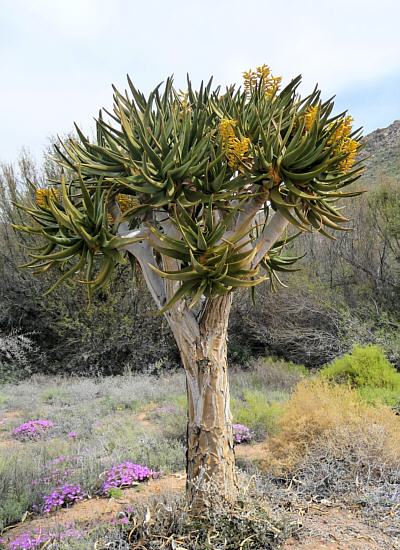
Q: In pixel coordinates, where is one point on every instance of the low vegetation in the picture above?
(321, 439)
(368, 370)
(319, 410)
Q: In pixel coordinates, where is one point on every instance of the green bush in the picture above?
(368, 371)
(258, 411)
(381, 396)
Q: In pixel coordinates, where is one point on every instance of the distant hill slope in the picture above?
(382, 147)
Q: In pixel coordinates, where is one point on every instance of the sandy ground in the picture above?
(324, 527)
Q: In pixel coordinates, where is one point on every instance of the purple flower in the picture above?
(32, 429)
(28, 541)
(72, 435)
(241, 433)
(62, 496)
(57, 460)
(126, 474)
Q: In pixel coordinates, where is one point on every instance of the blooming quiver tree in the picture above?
(199, 188)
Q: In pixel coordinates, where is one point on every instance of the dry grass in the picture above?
(334, 447)
(330, 416)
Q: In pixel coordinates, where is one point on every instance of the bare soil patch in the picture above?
(337, 528)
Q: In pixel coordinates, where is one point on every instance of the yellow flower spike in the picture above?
(349, 147)
(343, 130)
(310, 117)
(235, 149)
(263, 72)
(42, 194)
(243, 147)
(271, 84)
(249, 81)
(226, 129)
(344, 144)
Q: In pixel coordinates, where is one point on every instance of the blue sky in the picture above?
(58, 58)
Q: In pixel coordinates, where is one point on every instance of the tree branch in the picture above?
(145, 256)
(161, 289)
(248, 214)
(134, 233)
(249, 211)
(269, 236)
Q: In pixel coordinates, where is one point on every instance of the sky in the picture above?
(58, 58)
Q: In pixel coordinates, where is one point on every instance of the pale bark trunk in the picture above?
(203, 348)
(210, 454)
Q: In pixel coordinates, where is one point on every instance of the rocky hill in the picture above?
(382, 153)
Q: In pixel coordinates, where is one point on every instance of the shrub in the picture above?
(17, 353)
(354, 459)
(364, 367)
(268, 374)
(315, 410)
(257, 411)
(381, 396)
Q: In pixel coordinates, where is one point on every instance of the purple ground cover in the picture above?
(32, 429)
(62, 496)
(31, 541)
(241, 433)
(126, 474)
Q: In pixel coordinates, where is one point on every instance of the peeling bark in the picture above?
(210, 453)
(203, 348)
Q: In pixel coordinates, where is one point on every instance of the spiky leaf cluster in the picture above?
(198, 158)
(76, 230)
(211, 265)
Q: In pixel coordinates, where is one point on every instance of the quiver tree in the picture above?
(199, 190)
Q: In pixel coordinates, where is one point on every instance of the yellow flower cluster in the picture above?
(262, 74)
(345, 145)
(349, 147)
(249, 81)
(234, 148)
(310, 117)
(343, 130)
(125, 202)
(42, 194)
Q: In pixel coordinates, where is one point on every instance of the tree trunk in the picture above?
(210, 454)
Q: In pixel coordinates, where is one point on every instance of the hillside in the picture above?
(382, 153)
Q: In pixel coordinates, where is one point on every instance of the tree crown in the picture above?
(186, 183)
